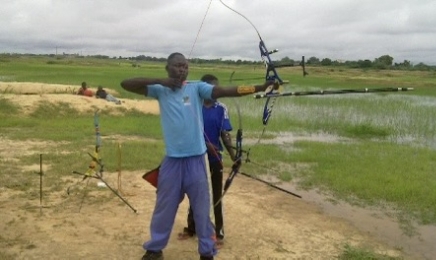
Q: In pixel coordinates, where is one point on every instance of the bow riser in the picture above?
(271, 72)
(238, 161)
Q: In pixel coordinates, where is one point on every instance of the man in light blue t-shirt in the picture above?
(184, 169)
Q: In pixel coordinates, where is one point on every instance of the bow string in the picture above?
(271, 75)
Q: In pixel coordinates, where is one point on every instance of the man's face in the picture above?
(177, 67)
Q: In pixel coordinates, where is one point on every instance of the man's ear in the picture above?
(166, 67)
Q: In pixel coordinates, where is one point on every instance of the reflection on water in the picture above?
(289, 137)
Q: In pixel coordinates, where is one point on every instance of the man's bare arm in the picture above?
(227, 141)
(139, 85)
(237, 91)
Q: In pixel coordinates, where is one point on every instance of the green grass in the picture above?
(375, 173)
(110, 72)
(354, 253)
(8, 108)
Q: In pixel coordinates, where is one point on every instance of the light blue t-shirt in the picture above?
(181, 117)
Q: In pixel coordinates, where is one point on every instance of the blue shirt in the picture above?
(181, 117)
(216, 120)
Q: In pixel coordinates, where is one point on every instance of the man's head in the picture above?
(177, 66)
(84, 85)
(211, 79)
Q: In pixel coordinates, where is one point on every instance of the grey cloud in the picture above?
(338, 29)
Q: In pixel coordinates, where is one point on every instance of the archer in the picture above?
(183, 169)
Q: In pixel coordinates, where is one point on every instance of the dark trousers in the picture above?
(216, 171)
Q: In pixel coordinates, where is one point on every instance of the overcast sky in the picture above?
(336, 29)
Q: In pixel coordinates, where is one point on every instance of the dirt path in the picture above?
(271, 226)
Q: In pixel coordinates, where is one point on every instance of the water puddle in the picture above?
(413, 239)
(290, 137)
(374, 222)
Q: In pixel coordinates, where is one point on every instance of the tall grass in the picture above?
(394, 117)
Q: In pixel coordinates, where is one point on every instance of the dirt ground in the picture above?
(28, 95)
(93, 223)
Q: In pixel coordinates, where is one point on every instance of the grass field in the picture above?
(386, 158)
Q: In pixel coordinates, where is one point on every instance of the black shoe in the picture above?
(187, 233)
(152, 255)
(206, 257)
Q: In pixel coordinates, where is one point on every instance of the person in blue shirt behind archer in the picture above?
(216, 129)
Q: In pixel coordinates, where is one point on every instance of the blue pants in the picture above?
(178, 176)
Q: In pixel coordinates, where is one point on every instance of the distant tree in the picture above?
(338, 63)
(384, 60)
(421, 66)
(141, 57)
(326, 62)
(287, 60)
(351, 64)
(405, 65)
(98, 56)
(364, 64)
(313, 61)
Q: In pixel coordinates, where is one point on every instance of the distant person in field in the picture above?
(101, 93)
(84, 91)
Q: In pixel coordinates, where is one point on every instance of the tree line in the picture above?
(383, 62)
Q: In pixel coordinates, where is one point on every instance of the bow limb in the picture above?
(271, 72)
(243, 16)
(270, 75)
